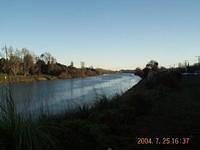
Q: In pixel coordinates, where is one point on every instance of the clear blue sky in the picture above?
(110, 34)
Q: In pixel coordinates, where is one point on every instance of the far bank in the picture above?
(69, 73)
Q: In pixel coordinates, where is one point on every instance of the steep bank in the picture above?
(167, 113)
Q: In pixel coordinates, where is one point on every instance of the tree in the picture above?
(82, 64)
(71, 64)
(152, 65)
(41, 66)
(2, 65)
(27, 60)
(4, 60)
(49, 60)
(46, 57)
(13, 64)
(5, 49)
(10, 52)
(91, 67)
(28, 63)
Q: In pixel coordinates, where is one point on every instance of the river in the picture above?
(59, 95)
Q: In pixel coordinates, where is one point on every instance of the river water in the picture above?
(59, 95)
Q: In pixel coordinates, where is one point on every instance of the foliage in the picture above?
(24, 62)
(169, 79)
(19, 133)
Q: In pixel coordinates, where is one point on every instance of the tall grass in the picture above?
(18, 133)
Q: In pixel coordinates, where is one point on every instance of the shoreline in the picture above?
(145, 110)
(36, 78)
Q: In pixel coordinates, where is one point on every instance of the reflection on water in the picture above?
(59, 95)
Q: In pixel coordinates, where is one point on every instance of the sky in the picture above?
(111, 34)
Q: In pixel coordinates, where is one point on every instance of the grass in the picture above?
(71, 73)
(21, 78)
(144, 111)
(19, 133)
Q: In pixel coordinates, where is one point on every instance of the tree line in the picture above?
(24, 62)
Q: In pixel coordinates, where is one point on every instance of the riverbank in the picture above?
(71, 73)
(156, 110)
(20, 78)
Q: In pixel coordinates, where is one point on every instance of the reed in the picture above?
(18, 133)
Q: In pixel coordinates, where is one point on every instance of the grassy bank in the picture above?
(30, 78)
(72, 73)
(150, 109)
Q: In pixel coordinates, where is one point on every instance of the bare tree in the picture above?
(13, 64)
(28, 63)
(5, 49)
(5, 62)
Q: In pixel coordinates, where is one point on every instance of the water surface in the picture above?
(59, 95)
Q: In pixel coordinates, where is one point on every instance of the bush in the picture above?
(170, 79)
